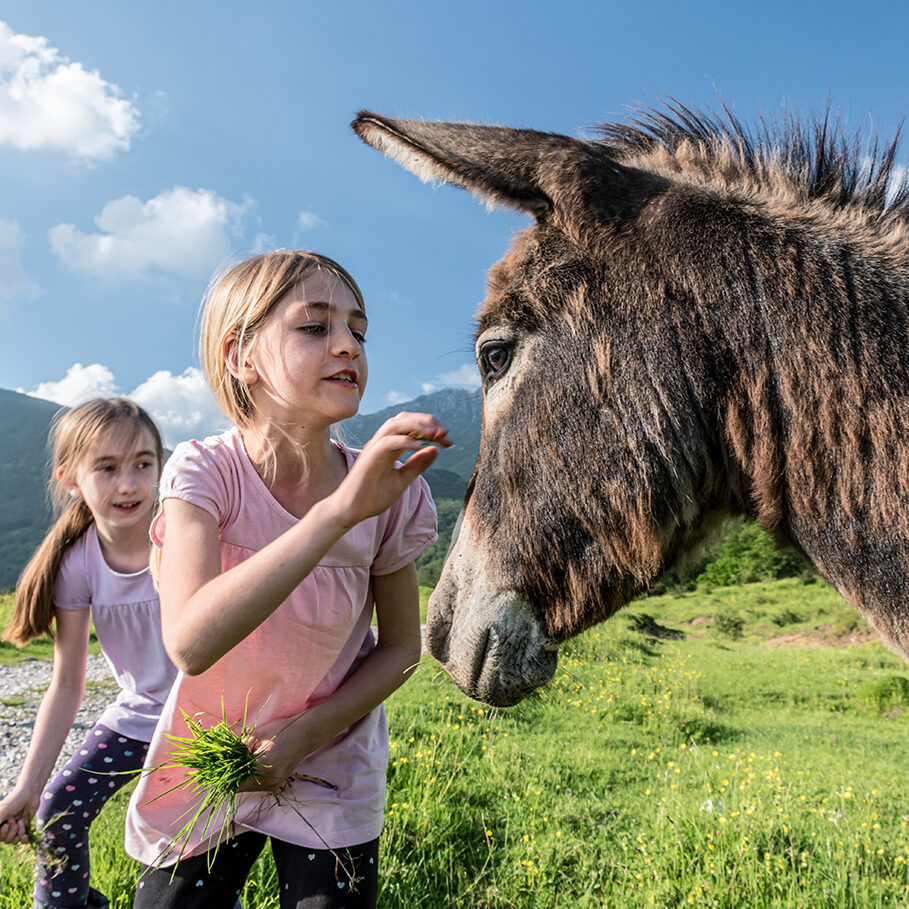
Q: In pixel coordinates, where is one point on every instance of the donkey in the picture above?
(703, 320)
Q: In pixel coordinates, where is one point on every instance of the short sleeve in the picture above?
(72, 590)
(410, 530)
(196, 473)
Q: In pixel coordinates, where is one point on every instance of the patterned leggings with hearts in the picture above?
(103, 764)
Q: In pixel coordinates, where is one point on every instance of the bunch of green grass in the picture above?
(46, 854)
(216, 761)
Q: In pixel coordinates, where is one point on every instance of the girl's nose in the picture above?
(346, 343)
(128, 480)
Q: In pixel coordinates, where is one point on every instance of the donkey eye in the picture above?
(494, 360)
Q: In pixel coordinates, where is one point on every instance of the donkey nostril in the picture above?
(437, 639)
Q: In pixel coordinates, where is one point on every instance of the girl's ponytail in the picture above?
(34, 611)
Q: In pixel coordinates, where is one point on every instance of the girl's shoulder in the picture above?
(216, 458)
(73, 589)
(221, 448)
(86, 579)
(208, 473)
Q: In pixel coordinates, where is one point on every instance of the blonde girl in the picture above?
(277, 546)
(93, 565)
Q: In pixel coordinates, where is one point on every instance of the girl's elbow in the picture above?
(190, 664)
(411, 659)
(183, 655)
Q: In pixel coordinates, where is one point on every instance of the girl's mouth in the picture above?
(344, 378)
(127, 506)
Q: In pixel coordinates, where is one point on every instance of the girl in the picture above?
(276, 545)
(93, 565)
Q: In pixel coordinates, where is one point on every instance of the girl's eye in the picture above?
(360, 337)
(312, 329)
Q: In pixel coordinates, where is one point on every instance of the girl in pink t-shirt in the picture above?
(276, 545)
(91, 567)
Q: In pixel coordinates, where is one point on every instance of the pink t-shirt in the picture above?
(127, 620)
(294, 659)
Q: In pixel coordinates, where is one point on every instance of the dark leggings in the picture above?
(68, 807)
(307, 878)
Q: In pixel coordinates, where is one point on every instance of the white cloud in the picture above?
(50, 103)
(180, 231)
(79, 384)
(262, 243)
(14, 283)
(307, 220)
(182, 406)
(466, 376)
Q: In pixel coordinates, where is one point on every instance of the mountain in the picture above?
(25, 513)
(24, 455)
(460, 410)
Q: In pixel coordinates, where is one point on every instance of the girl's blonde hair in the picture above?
(238, 303)
(73, 432)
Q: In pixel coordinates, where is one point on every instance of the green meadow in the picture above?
(724, 747)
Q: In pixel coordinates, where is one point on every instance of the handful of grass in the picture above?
(47, 855)
(216, 761)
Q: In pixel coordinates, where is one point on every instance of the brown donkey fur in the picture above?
(702, 321)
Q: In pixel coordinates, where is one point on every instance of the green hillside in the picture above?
(24, 425)
(25, 422)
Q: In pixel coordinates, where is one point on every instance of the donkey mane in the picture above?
(819, 158)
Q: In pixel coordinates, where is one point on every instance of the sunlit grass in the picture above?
(701, 771)
(40, 649)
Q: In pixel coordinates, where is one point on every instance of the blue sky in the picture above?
(142, 145)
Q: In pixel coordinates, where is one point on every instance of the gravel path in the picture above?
(21, 689)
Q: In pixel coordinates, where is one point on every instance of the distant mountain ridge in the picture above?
(25, 512)
(25, 423)
(459, 409)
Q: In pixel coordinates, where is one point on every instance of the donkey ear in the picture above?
(535, 172)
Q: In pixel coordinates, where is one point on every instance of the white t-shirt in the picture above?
(127, 619)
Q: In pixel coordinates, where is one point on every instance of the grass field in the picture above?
(718, 768)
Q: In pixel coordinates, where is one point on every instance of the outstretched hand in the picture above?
(375, 482)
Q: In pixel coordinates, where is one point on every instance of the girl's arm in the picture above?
(52, 724)
(397, 601)
(205, 613)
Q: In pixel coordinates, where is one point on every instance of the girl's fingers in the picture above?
(13, 831)
(420, 427)
(417, 463)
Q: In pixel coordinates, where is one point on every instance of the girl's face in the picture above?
(117, 477)
(308, 364)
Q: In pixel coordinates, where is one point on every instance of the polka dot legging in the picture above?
(69, 805)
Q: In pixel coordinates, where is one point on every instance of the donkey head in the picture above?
(602, 352)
